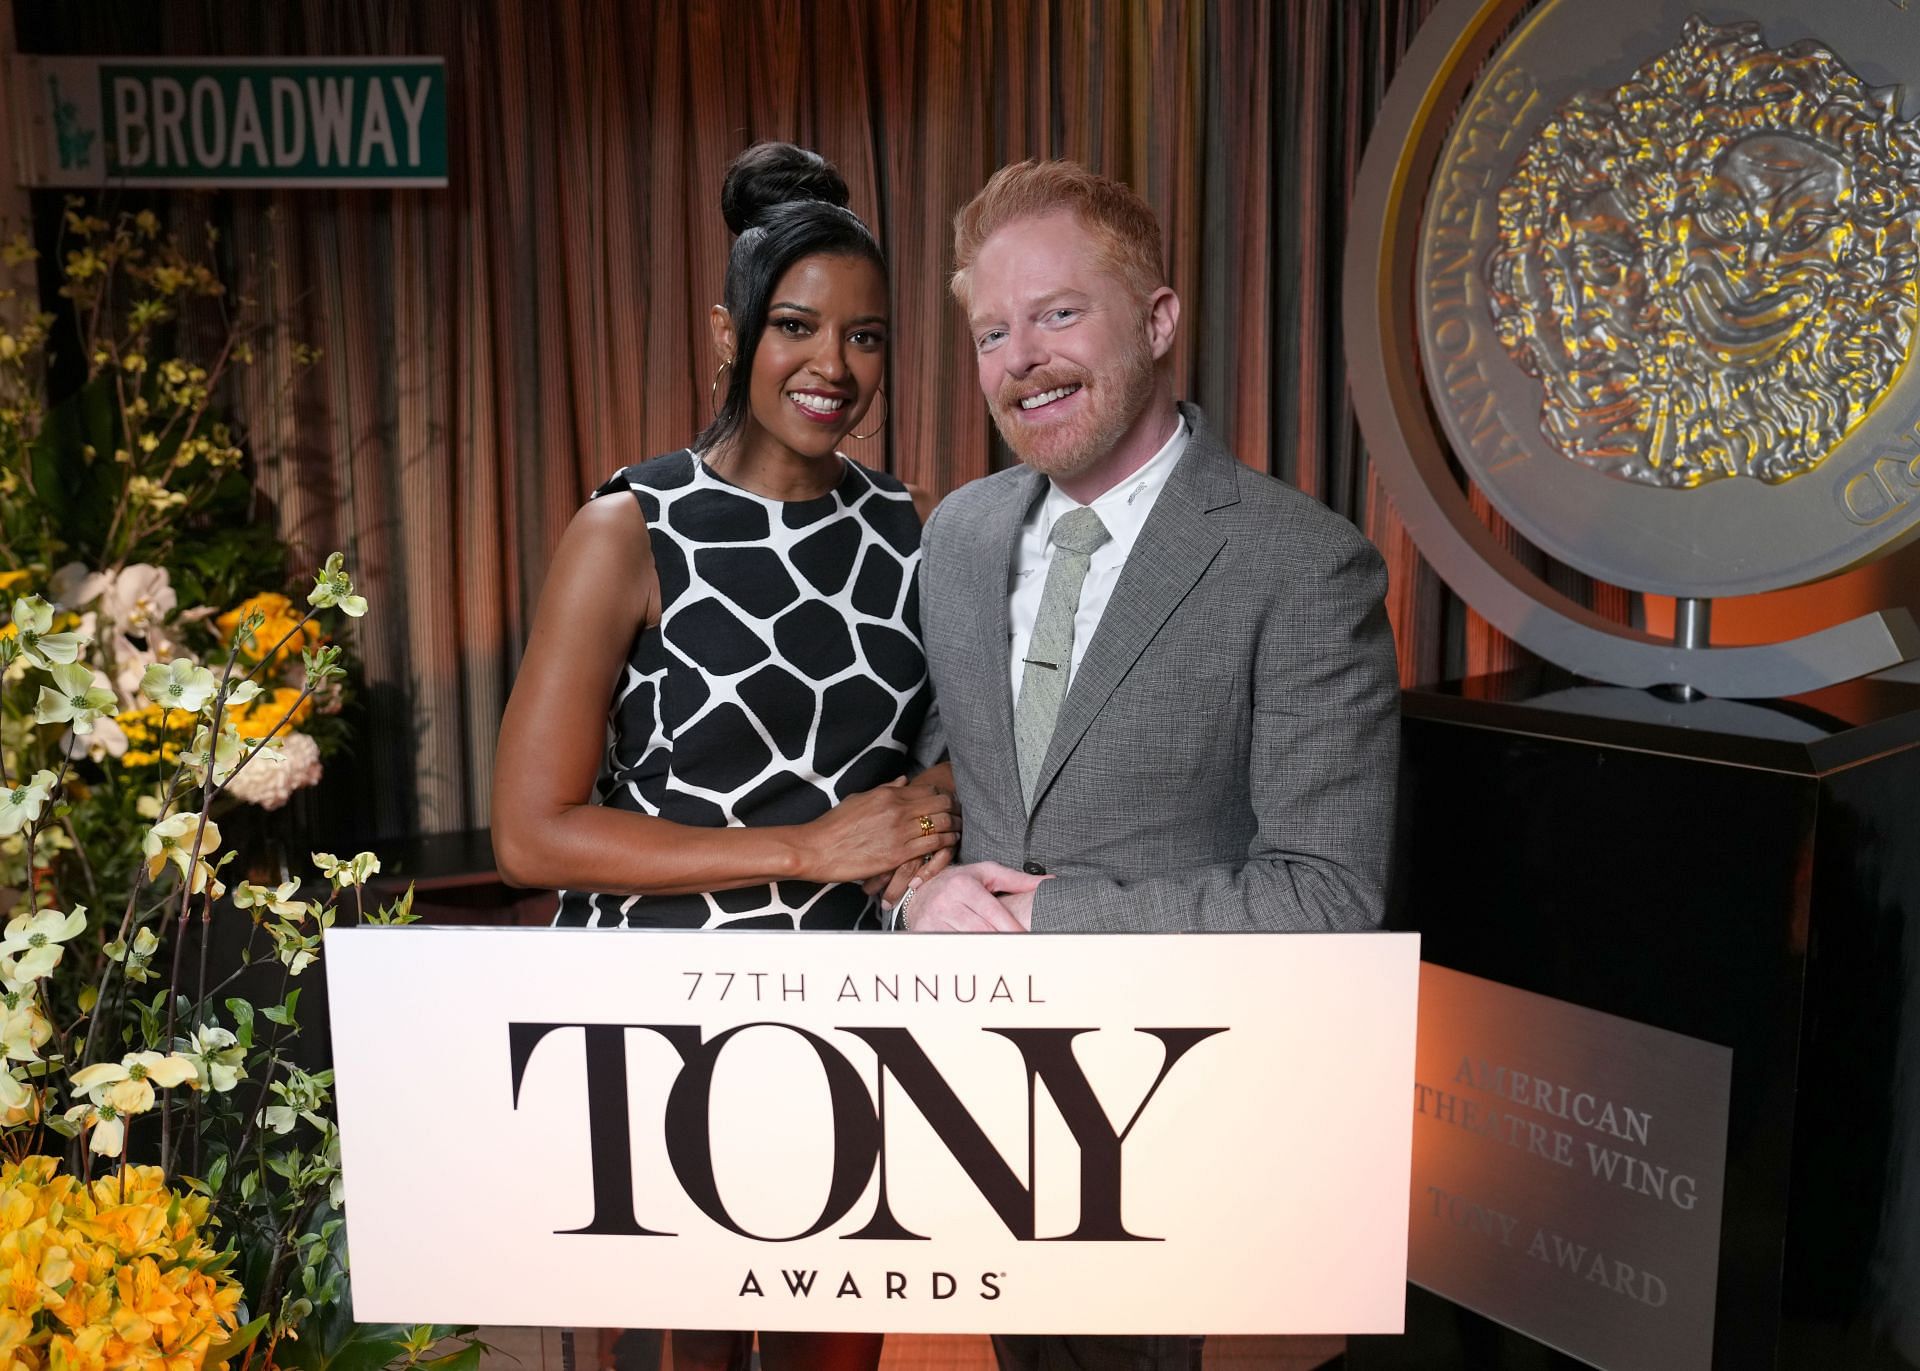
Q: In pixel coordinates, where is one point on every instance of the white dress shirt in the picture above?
(1124, 510)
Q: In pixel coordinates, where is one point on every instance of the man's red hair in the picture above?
(1112, 211)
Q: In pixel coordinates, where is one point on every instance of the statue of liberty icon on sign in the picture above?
(76, 143)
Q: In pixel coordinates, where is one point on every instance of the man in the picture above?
(1167, 680)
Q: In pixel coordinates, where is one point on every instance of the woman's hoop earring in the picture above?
(713, 389)
(881, 395)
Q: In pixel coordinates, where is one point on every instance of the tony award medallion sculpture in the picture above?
(1643, 278)
(1664, 314)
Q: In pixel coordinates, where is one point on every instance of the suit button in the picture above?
(1033, 868)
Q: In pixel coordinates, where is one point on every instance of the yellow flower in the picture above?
(144, 1301)
(261, 715)
(147, 491)
(56, 1266)
(281, 619)
(85, 1351)
(109, 1275)
(143, 729)
(14, 1330)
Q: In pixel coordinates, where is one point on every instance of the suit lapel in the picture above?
(990, 594)
(1174, 549)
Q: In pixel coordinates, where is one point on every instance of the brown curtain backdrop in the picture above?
(493, 350)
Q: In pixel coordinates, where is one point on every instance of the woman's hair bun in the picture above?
(769, 174)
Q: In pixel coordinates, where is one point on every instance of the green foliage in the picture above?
(154, 665)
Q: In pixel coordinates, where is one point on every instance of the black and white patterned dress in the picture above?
(786, 674)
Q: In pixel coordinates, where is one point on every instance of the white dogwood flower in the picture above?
(128, 1084)
(17, 1100)
(277, 900)
(180, 684)
(23, 804)
(218, 1056)
(227, 755)
(74, 698)
(353, 871)
(33, 940)
(24, 1030)
(33, 622)
(171, 840)
(109, 1129)
(333, 586)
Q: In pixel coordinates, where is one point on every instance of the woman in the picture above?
(748, 604)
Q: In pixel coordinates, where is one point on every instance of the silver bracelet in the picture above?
(900, 909)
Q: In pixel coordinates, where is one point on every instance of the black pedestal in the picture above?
(1744, 874)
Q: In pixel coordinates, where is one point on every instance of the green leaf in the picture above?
(399, 911)
(242, 1012)
(466, 1359)
(218, 1356)
(365, 1347)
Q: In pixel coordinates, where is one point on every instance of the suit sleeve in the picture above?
(930, 745)
(1323, 761)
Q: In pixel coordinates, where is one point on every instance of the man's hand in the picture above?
(1020, 905)
(963, 899)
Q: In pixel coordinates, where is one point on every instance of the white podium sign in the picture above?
(1152, 1134)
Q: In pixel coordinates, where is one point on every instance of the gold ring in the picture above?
(926, 825)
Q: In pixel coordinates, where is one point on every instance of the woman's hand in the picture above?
(880, 830)
(891, 885)
(910, 875)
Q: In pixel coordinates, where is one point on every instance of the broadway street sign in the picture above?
(613, 1128)
(206, 121)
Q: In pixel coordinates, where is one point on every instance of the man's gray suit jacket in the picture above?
(1225, 756)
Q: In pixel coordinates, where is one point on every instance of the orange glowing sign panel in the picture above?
(1568, 1169)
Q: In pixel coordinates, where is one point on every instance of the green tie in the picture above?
(1050, 651)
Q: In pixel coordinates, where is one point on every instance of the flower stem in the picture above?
(260, 1102)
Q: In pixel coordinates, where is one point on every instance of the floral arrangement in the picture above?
(96, 1066)
(113, 1273)
(128, 521)
(169, 1164)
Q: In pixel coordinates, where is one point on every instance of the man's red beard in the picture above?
(1109, 403)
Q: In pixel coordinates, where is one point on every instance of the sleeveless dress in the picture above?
(786, 674)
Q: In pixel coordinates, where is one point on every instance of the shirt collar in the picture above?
(1124, 507)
